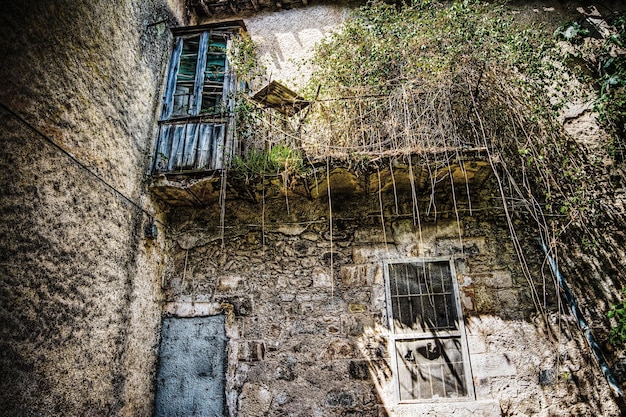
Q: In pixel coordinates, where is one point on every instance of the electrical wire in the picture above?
(80, 164)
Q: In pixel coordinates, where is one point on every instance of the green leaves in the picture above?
(383, 44)
(618, 332)
(571, 32)
(603, 66)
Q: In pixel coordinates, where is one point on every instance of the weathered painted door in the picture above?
(192, 364)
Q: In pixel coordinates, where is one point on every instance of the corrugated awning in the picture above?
(277, 96)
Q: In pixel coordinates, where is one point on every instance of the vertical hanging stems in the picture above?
(285, 182)
(456, 208)
(223, 207)
(330, 227)
(393, 181)
(382, 212)
(263, 214)
(416, 211)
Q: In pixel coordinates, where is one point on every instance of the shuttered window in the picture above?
(429, 350)
(195, 130)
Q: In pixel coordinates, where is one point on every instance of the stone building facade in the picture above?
(279, 304)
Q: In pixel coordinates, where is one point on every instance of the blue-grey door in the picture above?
(192, 365)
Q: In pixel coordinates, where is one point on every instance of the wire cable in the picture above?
(94, 174)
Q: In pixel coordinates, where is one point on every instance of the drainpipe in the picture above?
(582, 323)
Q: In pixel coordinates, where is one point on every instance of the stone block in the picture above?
(229, 282)
(404, 232)
(448, 246)
(467, 298)
(474, 245)
(489, 365)
(359, 370)
(547, 377)
(300, 281)
(308, 262)
(285, 370)
(352, 325)
(255, 400)
(509, 300)
(251, 351)
(337, 398)
(484, 408)
(484, 299)
(338, 349)
(379, 275)
(310, 236)
(355, 275)
(482, 388)
(332, 329)
(303, 327)
(449, 229)
(372, 235)
(378, 298)
(373, 253)
(321, 277)
(495, 279)
(286, 297)
(291, 229)
(282, 398)
(418, 250)
(476, 344)
(359, 275)
(356, 308)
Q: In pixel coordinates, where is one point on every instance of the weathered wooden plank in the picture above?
(217, 160)
(162, 157)
(196, 98)
(191, 142)
(170, 85)
(230, 87)
(205, 136)
(178, 142)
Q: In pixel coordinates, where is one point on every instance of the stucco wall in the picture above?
(286, 39)
(78, 282)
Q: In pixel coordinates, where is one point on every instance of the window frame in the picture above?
(196, 95)
(458, 334)
(193, 140)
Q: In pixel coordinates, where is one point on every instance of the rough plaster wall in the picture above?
(78, 282)
(285, 39)
(307, 336)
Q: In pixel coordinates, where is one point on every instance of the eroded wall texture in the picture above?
(306, 312)
(80, 286)
(78, 281)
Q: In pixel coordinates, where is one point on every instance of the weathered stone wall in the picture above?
(306, 314)
(78, 283)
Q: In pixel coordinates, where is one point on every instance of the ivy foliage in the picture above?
(598, 56)
(259, 163)
(618, 332)
(385, 44)
(244, 58)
